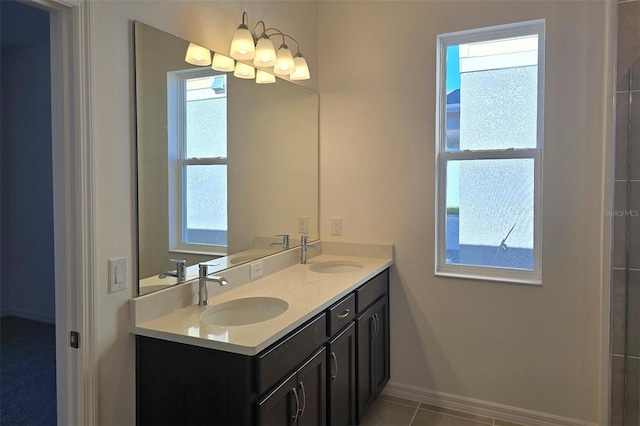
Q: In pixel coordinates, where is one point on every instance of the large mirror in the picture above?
(226, 166)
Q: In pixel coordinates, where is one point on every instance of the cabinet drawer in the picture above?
(340, 314)
(278, 361)
(372, 290)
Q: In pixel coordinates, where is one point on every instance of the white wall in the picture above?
(529, 347)
(209, 23)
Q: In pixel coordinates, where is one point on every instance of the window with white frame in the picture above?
(197, 118)
(489, 137)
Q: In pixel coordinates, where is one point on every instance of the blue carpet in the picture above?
(27, 372)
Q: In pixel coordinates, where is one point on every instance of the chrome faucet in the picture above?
(203, 278)
(284, 243)
(303, 249)
(180, 273)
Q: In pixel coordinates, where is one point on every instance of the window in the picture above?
(197, 161)
(489, 133)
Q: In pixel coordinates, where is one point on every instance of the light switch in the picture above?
(117, 274)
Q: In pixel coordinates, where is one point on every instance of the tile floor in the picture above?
(391, 411)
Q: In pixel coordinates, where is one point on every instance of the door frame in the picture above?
(73, 208)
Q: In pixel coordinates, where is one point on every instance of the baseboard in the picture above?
(27, 315)
(479, 408)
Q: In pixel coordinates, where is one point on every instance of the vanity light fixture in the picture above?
(198, 55)
(246, 46)
(263, 53)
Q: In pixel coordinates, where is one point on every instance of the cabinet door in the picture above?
(381, 345)
(281, 406)
(312, 391)
(341, 386)
(365, 389)
(372, 365)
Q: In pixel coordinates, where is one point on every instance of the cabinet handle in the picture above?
(295, 393)
(376, 321)
(304, 399)
(344, 314)
(335, 362)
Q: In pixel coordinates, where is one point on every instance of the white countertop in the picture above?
(308, 293)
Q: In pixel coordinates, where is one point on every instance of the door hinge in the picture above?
(74, 339)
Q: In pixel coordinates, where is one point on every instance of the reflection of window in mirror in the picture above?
(197, 152)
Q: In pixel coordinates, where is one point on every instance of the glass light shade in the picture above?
(242, 46)
(284, 61)
(198, 55)
(263, 77)
(222, 63)
(244, 71)
(301, 71)
(265, 53)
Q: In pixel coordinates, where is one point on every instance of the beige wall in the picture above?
(208, 23)
(529, 347)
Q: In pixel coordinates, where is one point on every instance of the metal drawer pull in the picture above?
(344, 314)
(335, 361)
(295, 393)
(376, 322)
(304, 399)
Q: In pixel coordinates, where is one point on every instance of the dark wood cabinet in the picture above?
(327, 371)
(341, 380)
(298, 400)
(372, 330)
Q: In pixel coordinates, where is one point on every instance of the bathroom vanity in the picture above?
(326, 367)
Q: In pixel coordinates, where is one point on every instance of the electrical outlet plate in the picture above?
(303, 225)
(256, 270)
(336, 226)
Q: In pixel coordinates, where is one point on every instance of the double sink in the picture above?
(253, 310)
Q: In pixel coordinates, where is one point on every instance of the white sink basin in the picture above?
(335, 267)
(250, 310)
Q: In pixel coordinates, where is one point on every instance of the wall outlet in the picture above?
(336, 226)
(303, 225)
(256, 270)
(118, 274)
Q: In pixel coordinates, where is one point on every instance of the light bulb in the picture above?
(301, 71)
(265, 53)
(263, 77)
(198, 55)
(284, 61)
(242, 46)
(222, 63)
(244, 71)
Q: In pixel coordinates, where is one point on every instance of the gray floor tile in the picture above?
(504, 423)
(431, 418)
(387, 413)
(399, 400)
(479, 419)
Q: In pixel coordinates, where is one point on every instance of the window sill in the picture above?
(533, 280)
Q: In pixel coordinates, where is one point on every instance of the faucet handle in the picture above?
(285, 240)
(203, 270)
(178, 261)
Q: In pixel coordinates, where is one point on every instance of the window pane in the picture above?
(206, 204)
(206, 117)
(490, 213)
(492, 94)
